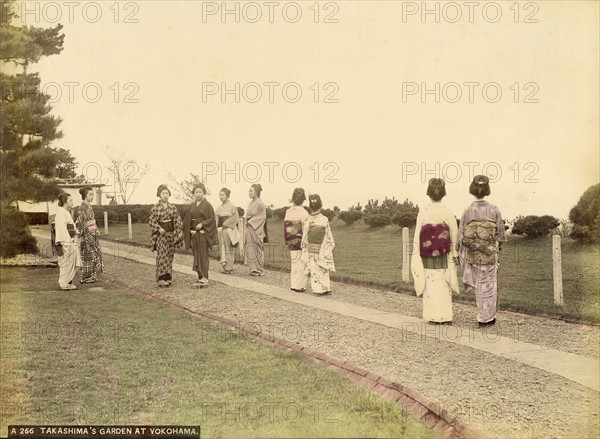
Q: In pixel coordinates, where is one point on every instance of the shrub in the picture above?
(565, 228)
(118, 213)
(330, 214)
(15, 234)
(533, 226)
(36, 217)
(375, 220)
(586, 216)
(402, 214)
(405, 218)
(350, 216)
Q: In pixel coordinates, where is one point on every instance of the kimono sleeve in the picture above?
(177, 222)
(500, 227)
(153, 220)
(62, 235)
(233, 219)
(81, 220)
(461, 231)
(210, 216)
(453, 234)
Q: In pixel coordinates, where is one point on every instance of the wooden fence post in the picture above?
(130, 230)
(105, 222)
(242, 228)
(557, 270)
(405, 255)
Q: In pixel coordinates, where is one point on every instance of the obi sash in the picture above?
(480, 241)
(167, 225)
(221, 220)
(435, 240)
(315, 237)
(292, 233)
(91, 225)
(71, 230)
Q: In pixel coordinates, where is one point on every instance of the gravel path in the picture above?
(495, 396)
(550, 333)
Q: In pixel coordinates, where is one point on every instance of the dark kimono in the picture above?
(166, 218)
(203, 239)
(91, 255)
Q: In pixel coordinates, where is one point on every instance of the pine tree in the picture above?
(28, 163)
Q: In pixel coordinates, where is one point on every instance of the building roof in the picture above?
(75, 185)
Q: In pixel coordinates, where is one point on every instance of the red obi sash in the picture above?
(435, 240)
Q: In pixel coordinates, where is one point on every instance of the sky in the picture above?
(390, 96)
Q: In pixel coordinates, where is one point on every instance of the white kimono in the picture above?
(293, 224)
(436, 285)
(317, 252)
(71, 259)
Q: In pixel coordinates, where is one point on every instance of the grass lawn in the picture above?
(373, 257)
(103, 356)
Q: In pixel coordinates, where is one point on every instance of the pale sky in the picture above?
(376, 141)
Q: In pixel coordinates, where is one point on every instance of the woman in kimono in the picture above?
(254, 236)
(317, 247)
(292, 233)
(66, 243)
(434, 257)
(480, 237)
(200, 232)
(227, 227)
(91, 255)
(166, 228)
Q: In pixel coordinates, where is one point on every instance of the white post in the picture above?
(129, 226)
(241, 226)
(557, 270)
(105, 222)
(405, 255)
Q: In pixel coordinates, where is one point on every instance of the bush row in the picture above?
(140, 213)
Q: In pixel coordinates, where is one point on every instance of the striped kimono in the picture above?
(481, 229)
(254, 236)
(229, 235)
(165, 244)
(91, 254)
